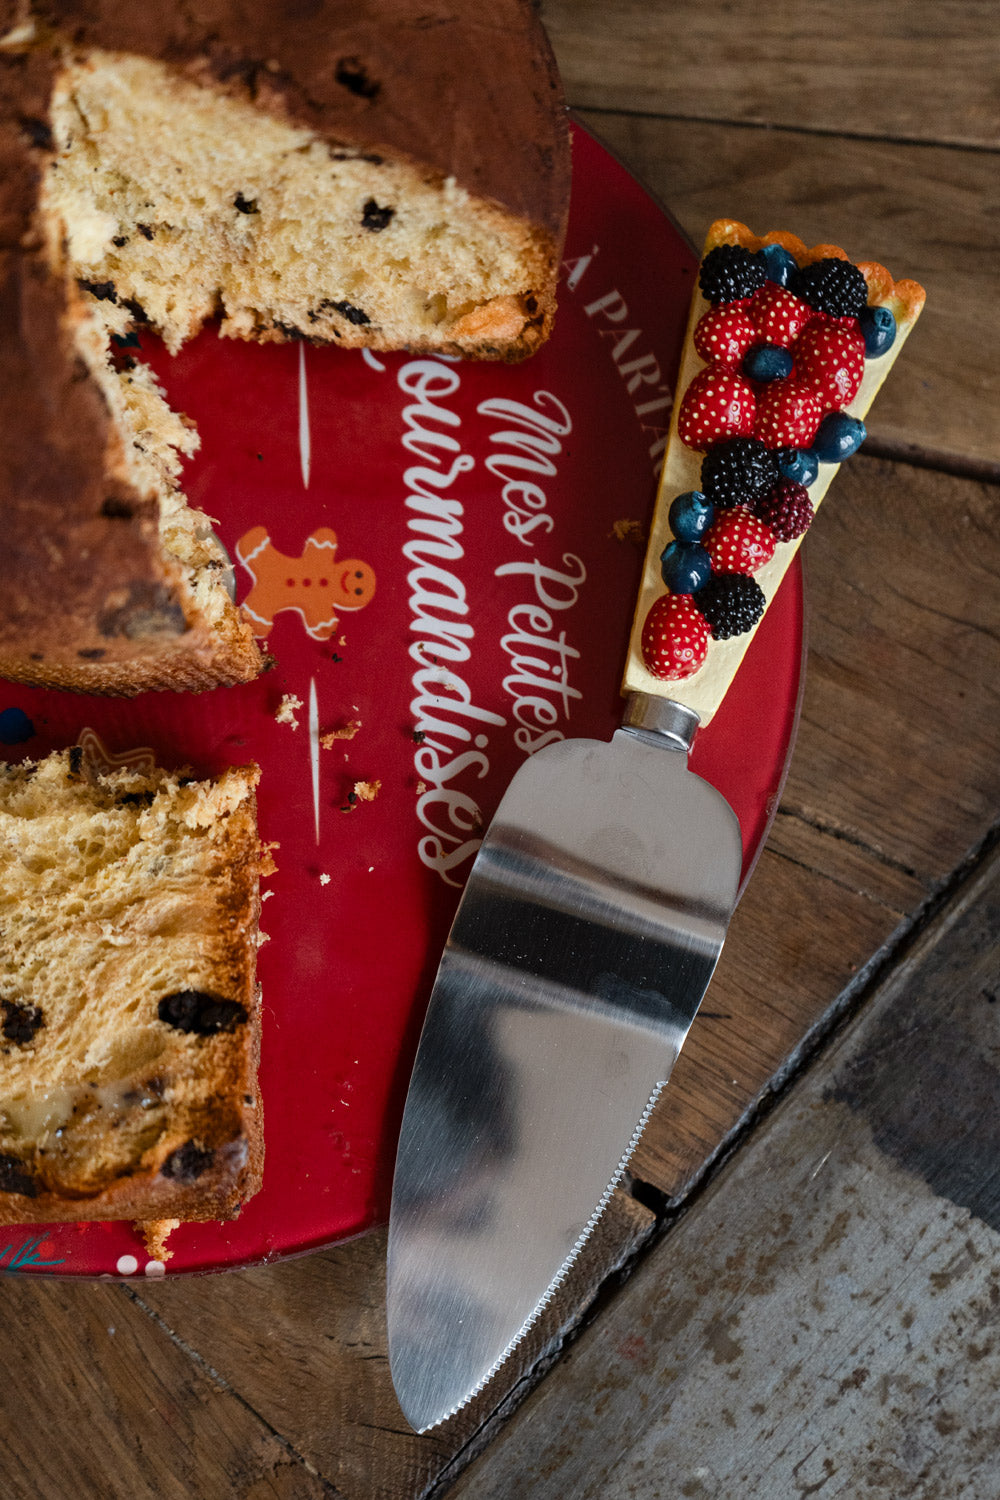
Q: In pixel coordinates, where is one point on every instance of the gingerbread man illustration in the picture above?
(315, 584)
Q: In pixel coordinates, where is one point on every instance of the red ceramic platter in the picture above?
(492, 518)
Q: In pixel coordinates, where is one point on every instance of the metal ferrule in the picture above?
(661, 719)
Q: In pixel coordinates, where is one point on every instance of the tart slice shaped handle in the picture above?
(662, 631)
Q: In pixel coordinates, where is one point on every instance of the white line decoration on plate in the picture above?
(314, 748)
(305, 440)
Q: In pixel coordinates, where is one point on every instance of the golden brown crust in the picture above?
(375, 79)
(89, 603)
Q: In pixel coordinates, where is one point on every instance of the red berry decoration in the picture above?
(780, 317)
(788, 415)
(717, 405)
(738, 542)
(830, 359)
(848, 322)
(786, 510)
(724, 334)
(675, 638)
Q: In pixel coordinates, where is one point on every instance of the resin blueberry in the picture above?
(837, 437)
(685, 567)
(879, 328)
(779, 263)
(690, 516)
(15, 726)
(767, 362)
(798, 464)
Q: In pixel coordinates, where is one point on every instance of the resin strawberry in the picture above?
(675, 638)
(830, 359)
(738, 542)
(788, 415)
(723, 335)
(779, 316)
(717, 405)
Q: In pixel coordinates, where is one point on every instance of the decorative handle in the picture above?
(770, 372)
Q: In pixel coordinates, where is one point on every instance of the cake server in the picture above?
(589, 928)
(587, 933)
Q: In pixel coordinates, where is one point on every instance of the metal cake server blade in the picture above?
(587, 933)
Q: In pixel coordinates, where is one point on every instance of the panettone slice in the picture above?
(129, 1005)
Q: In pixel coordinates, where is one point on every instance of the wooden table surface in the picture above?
(795, 1291)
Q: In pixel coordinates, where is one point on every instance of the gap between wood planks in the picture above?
(980, 470)
(840, 131)
(819, 1037)
(220, 1381)
(845, 835)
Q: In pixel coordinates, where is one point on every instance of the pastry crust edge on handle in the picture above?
(705, 689)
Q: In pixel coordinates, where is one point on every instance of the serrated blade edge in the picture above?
(567, 1264)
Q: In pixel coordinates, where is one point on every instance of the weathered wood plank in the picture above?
(824, 1318)
(897, 744)
(97, 1401)
(305, 1344)
(778, 974)
(906, 70)
(925, 212)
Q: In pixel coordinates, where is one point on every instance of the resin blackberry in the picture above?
(737, 471)
(731, 603)
(831, 286)
(729, 273)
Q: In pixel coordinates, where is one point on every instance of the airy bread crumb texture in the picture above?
(129, 1014)
(181, 204)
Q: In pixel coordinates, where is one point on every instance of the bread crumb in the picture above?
(367, 791)
(287, 709)
(346, 732)
(628, 531)
(324, 879)
(154, 1234)
(266, 896)
(421, 788)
